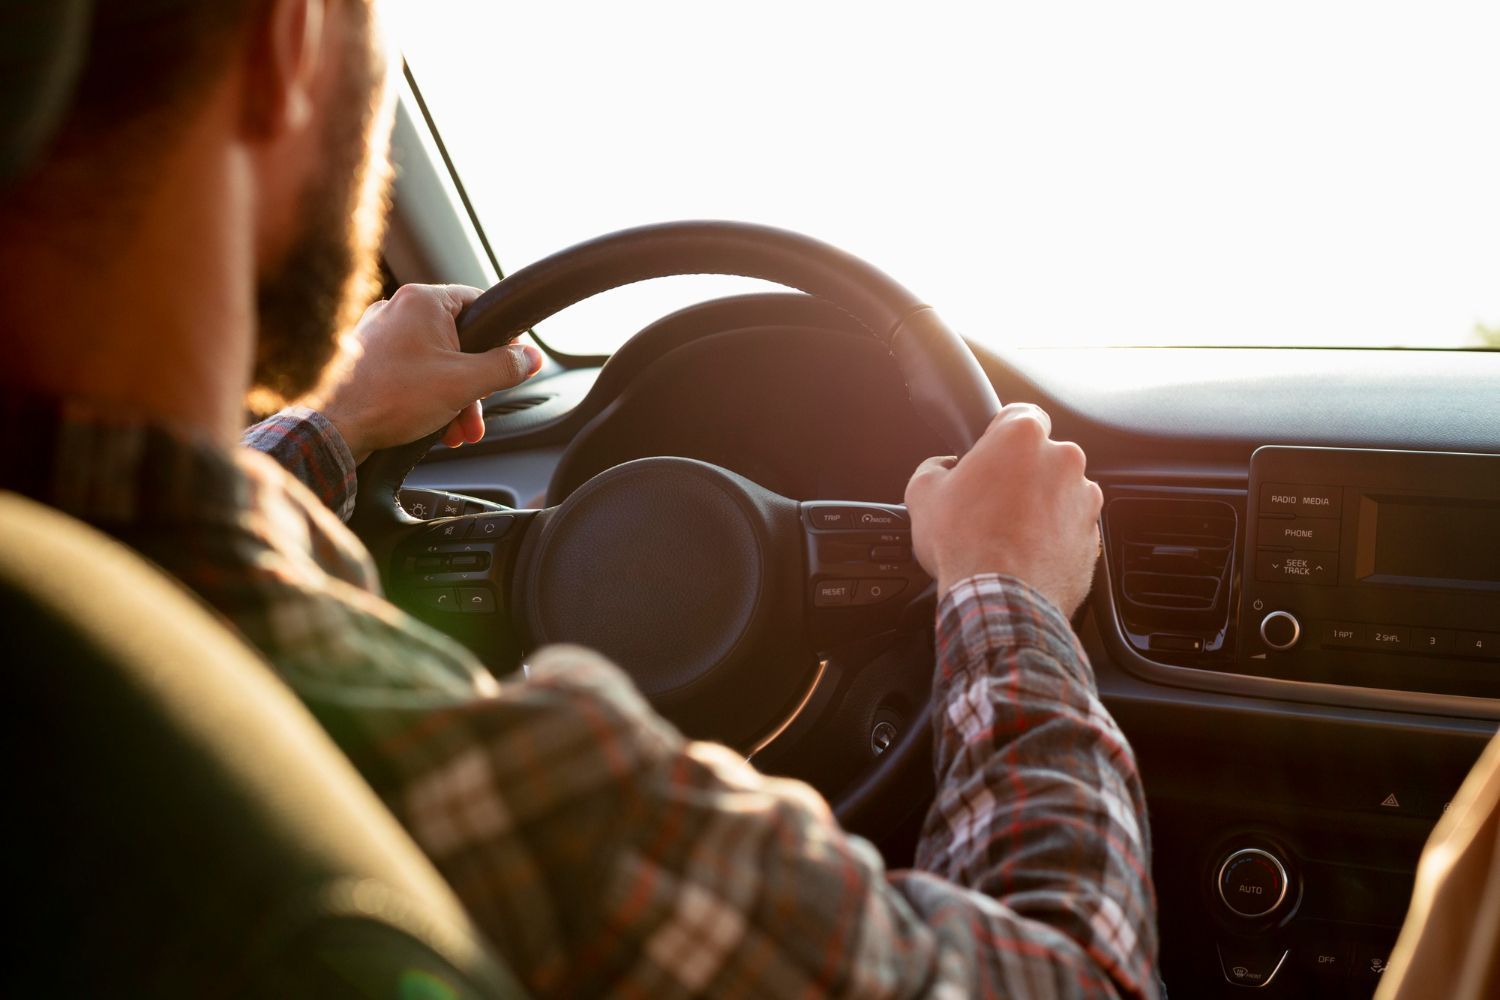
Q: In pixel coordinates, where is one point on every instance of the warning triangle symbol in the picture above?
(1390, 801)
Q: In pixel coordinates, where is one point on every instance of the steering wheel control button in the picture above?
(876, 591)
(468, 561)
(1296, 566)
(449, 506)
(833, 593)
(871, 518)
(476, 601)
(1280, 630)
(445, 531)
(1251, 964)
(489, 525)
(830, 518)
(890, 553)
(438, 599)
(1252, 883)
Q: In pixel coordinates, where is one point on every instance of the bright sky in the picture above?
(1104, 172)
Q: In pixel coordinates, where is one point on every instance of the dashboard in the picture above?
(1296, 620)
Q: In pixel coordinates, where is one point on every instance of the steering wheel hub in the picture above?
(667, 566)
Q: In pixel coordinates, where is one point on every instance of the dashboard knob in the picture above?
(1252, 882)
(1280, 630)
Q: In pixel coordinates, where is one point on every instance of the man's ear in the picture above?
(284, 55)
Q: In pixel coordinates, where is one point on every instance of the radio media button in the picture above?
(1320, 534)
(1296, 498)
(1320, 501)
(1339, 634)
(1437, 641)
(1481, 644)
(1276, 498)
(1396, 638)
(1296, 567)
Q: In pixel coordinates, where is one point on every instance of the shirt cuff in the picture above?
(992, 614)
(306, 444)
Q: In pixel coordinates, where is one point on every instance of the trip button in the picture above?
(829, 517)
(1394, 638)
(1296, 567)
(1481, 644)
(1316, 533)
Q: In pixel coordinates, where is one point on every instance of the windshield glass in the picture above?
(1071, 173)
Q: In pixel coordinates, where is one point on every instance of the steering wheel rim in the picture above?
(945, 383)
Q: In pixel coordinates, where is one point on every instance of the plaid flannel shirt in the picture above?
(601, 851)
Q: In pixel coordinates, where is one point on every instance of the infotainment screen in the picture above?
(1428, 542)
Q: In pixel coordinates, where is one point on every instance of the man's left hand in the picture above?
(402, 375)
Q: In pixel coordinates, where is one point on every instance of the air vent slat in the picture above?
(514, 404)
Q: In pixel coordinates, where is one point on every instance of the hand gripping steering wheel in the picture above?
(724, 601)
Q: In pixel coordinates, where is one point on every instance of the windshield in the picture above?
(1099, 173)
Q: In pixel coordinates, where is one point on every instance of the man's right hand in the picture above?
(1017, 503)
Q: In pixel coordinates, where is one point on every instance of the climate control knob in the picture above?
(1252, 882)
(1280, 630)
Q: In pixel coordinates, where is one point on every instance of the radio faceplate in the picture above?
(1373, 568)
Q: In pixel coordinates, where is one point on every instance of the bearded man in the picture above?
(204, 224)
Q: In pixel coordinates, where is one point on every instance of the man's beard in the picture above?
(332, 270)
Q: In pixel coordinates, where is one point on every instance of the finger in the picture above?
(1025, 411)
(453, 435)
(1018, 429)
(457, 298)
(470, 422)
(499, 368)
(927, 476)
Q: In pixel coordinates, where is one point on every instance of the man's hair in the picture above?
(145, 60)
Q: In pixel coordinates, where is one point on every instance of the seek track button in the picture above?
(1272, 566)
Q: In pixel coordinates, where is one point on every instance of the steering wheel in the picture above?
(741, 614)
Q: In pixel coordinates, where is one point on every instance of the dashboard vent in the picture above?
(514, 404)
(1172, 566)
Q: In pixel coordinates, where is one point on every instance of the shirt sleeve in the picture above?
(307, 445)
(605, 854)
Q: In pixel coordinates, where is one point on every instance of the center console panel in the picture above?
(1373, 568)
